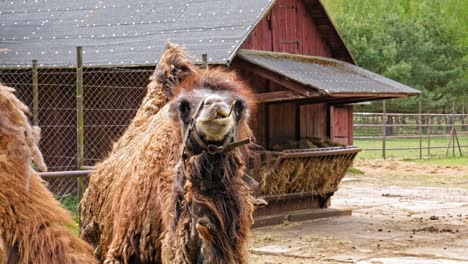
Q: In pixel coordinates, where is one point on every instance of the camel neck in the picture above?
(212, 173)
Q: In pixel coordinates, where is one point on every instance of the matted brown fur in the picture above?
(212, 204)
(127, 209)
(34, 228)
(122, 210)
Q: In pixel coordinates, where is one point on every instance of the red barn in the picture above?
(289, 50)
(308, 93)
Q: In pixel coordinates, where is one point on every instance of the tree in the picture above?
(419, 43)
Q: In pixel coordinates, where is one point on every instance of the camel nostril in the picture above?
(221, 111)
(213, 99)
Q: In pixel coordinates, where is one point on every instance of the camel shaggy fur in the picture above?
(121, 209)
(34, 228)
(212, 208)
(129, 209)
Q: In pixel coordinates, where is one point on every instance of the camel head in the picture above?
(215, 110)
(211, 195)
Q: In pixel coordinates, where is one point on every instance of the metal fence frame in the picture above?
(423, 131)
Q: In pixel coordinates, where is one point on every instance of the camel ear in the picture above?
(174, 67)
(169, 45)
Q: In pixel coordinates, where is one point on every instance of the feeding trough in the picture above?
(298, 179)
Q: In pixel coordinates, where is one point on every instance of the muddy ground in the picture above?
(403, 212)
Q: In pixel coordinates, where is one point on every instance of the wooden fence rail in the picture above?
(422, 126)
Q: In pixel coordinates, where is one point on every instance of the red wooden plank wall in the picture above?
(288, 28)
(282, 125)
(342, 124)
(314, 120)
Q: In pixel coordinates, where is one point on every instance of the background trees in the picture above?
(421, 43)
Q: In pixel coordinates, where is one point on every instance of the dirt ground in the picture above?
(403, 212)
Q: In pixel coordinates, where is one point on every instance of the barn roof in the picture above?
(327, 77)
(122, 32)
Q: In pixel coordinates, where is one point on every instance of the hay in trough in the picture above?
(318, 171)
(307, 143)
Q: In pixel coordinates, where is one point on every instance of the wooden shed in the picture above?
(289, 50)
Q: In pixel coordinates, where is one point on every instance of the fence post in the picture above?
(35, 84)
(453, 128)
(79, 123)
(463, 127)
(420, 127)
(79, 106)
(205, 60)
(384, 132)
(455, 135)
(429, 131)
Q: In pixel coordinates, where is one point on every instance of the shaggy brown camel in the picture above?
(147, 148)
(212, 208)
(34, 228)
(131, 202)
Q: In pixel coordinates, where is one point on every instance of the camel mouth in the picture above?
(220, 114)
(215, 129)
(218, 120)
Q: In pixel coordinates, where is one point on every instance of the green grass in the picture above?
(355, 171)
(71, 204)
(439, 141)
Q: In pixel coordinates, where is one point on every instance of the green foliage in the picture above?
(420, 43)
(71, 203)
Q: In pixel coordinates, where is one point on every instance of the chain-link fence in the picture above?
(111, 96)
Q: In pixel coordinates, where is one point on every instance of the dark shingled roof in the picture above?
(122, 32)
(326, 75)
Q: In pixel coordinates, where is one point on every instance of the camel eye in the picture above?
(240, 107)
(184, 69)
(184, 107)
(184, 110)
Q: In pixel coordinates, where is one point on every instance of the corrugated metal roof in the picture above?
(122, 32)
(327, 75)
